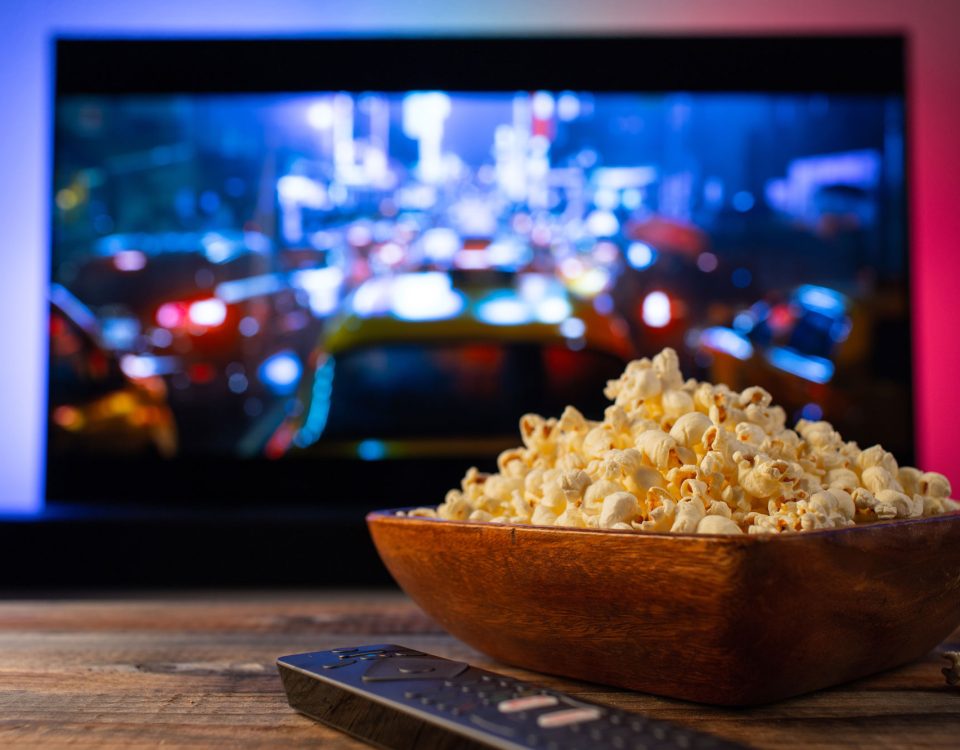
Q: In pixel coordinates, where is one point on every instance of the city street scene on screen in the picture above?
(381, 275)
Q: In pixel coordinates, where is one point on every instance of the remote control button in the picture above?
(346, 656)
(416, 668)
(338, 664)
(465, 685)
(465, 707)
(419, 669)
(443, 699)
(524, 691)
(504, 730)
(567, 717)
(342, 650)
(495, 698)
(370, 657)
(597, 734)
(527, 704)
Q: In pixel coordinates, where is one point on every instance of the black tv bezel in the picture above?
(861, 64)
(805, 63)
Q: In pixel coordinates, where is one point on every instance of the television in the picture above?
(317, 276)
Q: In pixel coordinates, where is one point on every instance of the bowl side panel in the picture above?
(716, 620)
(836, 607)
(645, 613)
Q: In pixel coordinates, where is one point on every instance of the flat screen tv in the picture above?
(332, 274)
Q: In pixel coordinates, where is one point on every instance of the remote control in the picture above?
(396, 697)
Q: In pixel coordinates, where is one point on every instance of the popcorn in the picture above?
(689, 428)
(893, 504)
(574, 517)
(573, 484)
(659, 448)
(676, 403)
(618, 508)
(688, 516)
(877, 456)
(934, 485)
(675, 455)
(455, 509)
(543, 516)
(876, 478)
(598, 491)
(660, 515)
(910, 478)
(842, 479)
(952, 673)
(711, 524)
(762, 477)
(719, 508)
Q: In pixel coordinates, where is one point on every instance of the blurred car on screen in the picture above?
(199, 304)
(432, 363)
(810, 347)
(95, 407)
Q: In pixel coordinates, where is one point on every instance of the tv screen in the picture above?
(334, 271)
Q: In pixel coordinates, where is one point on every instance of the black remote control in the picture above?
(396, 698)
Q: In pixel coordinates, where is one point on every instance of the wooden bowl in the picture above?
(727, 620)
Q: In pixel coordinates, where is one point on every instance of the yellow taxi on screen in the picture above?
(436, 363)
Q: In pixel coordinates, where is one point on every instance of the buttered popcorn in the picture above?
(690, 457)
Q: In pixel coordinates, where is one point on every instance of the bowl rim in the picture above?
(390, 515)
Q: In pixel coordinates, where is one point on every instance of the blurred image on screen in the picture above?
(379, 275)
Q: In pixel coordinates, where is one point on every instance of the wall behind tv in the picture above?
(27, 26)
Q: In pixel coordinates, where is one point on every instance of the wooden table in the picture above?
(198, 670)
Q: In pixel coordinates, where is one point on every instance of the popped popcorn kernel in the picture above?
(677, 455)
(952, 673)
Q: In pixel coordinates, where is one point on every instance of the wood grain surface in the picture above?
(198, 670)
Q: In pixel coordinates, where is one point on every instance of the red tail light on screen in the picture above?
(208, 312)
(172, 314)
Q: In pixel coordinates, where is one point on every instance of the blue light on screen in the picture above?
(425, 296)
(504, 309)
(281, 372)
(640, 255)
(806, 366)
(727, 341)
(372, 450)
(319, 409)
(822, 300)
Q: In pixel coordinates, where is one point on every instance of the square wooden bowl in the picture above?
(727, 620)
